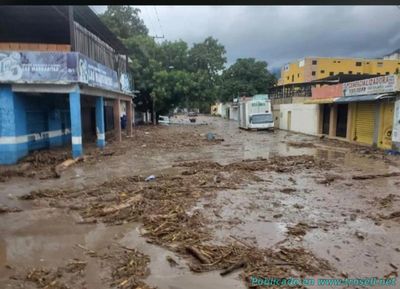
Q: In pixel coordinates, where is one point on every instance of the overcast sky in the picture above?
(280, 34)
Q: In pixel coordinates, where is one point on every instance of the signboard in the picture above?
(125, 81)
(38, 67)
(96, 74)
(374, 85)
(59, 68)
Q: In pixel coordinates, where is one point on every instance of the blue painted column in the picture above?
(101, 138)
(76, 124)
(13, 138)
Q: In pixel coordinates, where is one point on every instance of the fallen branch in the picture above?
(367, 177)
(197, 254)
(234, 267)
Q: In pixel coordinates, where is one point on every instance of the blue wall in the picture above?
(31, 122)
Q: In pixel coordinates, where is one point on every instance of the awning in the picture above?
(320, 100)
(359, 98)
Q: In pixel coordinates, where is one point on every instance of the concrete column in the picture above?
(117, 119)
(320, 117)
(129, 118)
(13, 138)
(333, 120)
(350, 111)
(100, 131)
(76, 124)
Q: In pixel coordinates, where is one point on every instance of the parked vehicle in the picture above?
(256, 113)
(164, 120)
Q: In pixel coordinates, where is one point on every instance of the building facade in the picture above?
(63, 77)
(313, 68)
(362, 111)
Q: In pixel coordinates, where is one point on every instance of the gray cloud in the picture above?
(279, 34)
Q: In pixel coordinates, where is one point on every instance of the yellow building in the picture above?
(312, 68)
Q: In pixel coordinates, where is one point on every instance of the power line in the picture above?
(158, 19)
(150, 19)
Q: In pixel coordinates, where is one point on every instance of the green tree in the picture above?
(246, 75)
(124, 21)
(209, 56)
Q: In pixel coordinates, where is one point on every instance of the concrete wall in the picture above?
(327, 91)
(304, 117)
(31, 122)
(234, 113)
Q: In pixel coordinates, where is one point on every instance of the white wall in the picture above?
(304, 117)
(233, 113)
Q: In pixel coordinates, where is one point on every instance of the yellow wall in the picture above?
(326, 66)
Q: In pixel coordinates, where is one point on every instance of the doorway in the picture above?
(326, 111)
(289, 120)
(341, 123)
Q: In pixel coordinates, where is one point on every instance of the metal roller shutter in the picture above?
(365, 122)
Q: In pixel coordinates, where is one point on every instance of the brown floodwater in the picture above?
(258, 213)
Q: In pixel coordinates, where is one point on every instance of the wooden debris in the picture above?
(198, 255)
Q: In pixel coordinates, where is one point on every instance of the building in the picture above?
(365, 111)
(313, 68)
(395, 55)
(63, 77)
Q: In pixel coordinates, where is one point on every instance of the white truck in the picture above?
(256, 113)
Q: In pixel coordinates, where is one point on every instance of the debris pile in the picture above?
(164, 207)
(130, 269)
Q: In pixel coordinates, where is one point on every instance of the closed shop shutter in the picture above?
(365, 122)
(386, 127)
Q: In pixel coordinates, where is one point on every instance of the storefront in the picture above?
(370, 111)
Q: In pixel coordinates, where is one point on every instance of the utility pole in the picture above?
(154, 111)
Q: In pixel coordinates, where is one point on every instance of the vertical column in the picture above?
(100, 131)
(76, 124)
(117, 119)
(13, 138)
(129, 118)
(349, 133)
(332, 120)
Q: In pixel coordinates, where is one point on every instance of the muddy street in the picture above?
(217, 212)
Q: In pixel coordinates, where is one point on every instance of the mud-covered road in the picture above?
(246, 204)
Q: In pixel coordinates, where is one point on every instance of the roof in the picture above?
(393, 52)
(50, 24)
(343, 78)
(358, 98)
(260, 97)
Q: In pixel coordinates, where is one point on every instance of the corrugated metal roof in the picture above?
(361, 98)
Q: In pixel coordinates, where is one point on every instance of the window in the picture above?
(378, 73)
(331, 73)
(338, 61)
(334, 61)
(358, 63)
(292, 77)
(261, 118)
(397, 71)
(340, 73)
(358, 73)
(380, 64)
(350, 72)
(387, 72)
(322, 71)
(313, 73)
(298, 75)
(314, 62)
(367, 62)
(288, 78)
